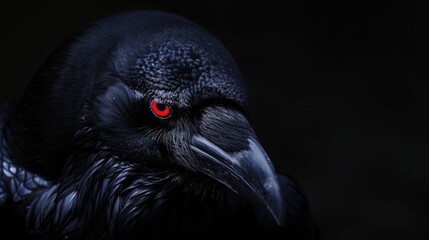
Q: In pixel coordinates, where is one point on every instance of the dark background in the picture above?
(338, 93)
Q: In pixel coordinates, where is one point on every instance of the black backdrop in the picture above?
(338, 93)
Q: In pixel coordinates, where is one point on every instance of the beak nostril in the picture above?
(225, 127)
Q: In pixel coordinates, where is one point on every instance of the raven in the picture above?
(137, 127)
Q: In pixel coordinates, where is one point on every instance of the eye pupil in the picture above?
(160, 110)
(161, 106)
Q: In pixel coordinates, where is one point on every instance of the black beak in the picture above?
(248, 172)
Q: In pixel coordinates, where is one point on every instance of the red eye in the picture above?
(160, 110)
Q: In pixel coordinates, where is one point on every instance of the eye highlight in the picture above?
(160, 110)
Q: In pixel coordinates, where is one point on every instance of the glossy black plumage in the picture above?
(107, 168)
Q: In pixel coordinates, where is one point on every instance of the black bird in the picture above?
(137, 127)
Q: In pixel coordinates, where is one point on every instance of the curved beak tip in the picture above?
(247, 172)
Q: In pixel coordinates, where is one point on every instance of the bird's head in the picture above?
(164, 93)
